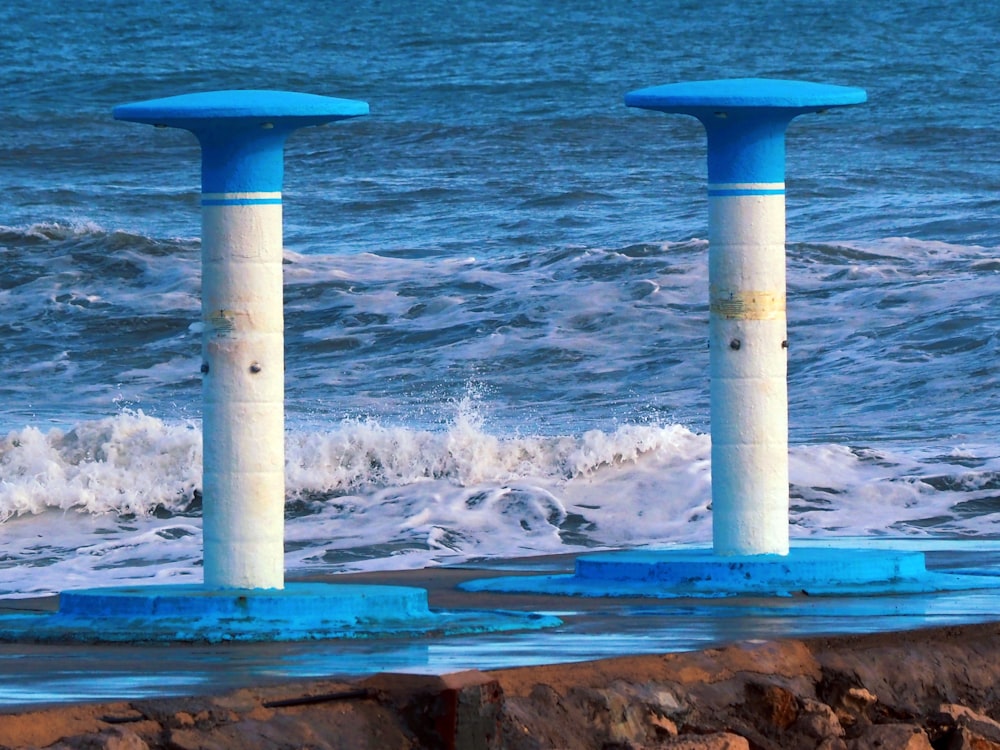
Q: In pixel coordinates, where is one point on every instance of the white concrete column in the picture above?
(243, 390)
(242, 136)
(745, 120)
(748, 368)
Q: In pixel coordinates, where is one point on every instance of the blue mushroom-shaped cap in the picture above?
(288, 109)
(697, 97)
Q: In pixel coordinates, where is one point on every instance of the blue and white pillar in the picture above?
(244, 596)
(745, 120)
(242, 136)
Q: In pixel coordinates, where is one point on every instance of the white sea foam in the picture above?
(110, 501)
(127, 464)
(543, 349)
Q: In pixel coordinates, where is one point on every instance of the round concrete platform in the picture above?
(300, 611)
(667, 574)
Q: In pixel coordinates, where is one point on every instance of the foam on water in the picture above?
(117, 500)
(446, 407)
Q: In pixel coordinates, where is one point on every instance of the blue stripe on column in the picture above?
(241, 199)
(746, 188)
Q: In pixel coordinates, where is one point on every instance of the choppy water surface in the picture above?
(496, 284)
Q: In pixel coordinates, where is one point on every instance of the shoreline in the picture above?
(620, 674)
(936, 687)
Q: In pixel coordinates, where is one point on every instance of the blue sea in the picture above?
(496, 284)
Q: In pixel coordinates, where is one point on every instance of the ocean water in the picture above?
(496, 284)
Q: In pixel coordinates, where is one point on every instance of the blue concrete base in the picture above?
(667, 574)
(303, 611)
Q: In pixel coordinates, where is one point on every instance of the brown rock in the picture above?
(912, 672)
(965, 738)
(617, 717)
(964, 716)
(164, 710)
(891, 737)
(662, 725)
(240, 701)
(183, 720)
(542, 720)
(621, 714)
(191, 739)
(818, 720)
(718, 741)
(859, 699)
(46, 727)
(658, 696)
(964, 727)
(458, 710)
(336, 725)
(124, 739)
(851, 701)
(777, 707)
(114, 739)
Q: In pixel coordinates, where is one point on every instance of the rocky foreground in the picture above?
(935, 688)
